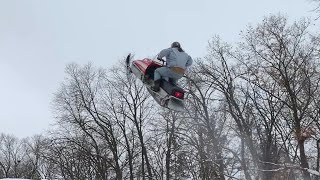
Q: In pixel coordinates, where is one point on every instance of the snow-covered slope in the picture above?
(14, 179)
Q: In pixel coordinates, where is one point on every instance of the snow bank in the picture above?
(14, 179)
(17, 179)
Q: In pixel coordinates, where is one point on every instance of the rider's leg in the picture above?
(159, 73)
(164, 73)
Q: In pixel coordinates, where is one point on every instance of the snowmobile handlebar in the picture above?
(162, 60)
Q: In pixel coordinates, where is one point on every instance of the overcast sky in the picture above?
(39, 37)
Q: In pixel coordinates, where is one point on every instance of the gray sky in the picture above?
(39, 37)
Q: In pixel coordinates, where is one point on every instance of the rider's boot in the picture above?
(156, 85)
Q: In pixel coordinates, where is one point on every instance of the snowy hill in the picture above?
(14, 179)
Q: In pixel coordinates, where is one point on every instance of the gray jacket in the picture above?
(175, 58)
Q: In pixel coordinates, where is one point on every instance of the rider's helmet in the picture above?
(176, 45)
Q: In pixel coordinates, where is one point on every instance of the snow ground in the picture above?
(14, 179)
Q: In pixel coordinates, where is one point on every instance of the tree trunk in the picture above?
(304, 161)
(243, 161)
(221, 164)
(318, 158)
(144, 153)
(168, 154)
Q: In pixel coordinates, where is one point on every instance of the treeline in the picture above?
(253, 113)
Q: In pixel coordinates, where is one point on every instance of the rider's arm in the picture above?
(164, 53)
(189, 62)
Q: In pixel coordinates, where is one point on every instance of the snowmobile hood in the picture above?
(144, 64)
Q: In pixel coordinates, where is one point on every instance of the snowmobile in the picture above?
(170, 95)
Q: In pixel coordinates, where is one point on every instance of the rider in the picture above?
(177, 62)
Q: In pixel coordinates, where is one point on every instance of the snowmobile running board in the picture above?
(167, 101)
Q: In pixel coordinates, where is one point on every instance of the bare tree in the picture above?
(16, 159)
(202, 132)
(78, 105)
(286, 54)
(34, 147)
(269, 83)
(134, 108)
(317, 8)
(219, 70)
(11, 155)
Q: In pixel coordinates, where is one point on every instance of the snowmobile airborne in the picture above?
(170, 95)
